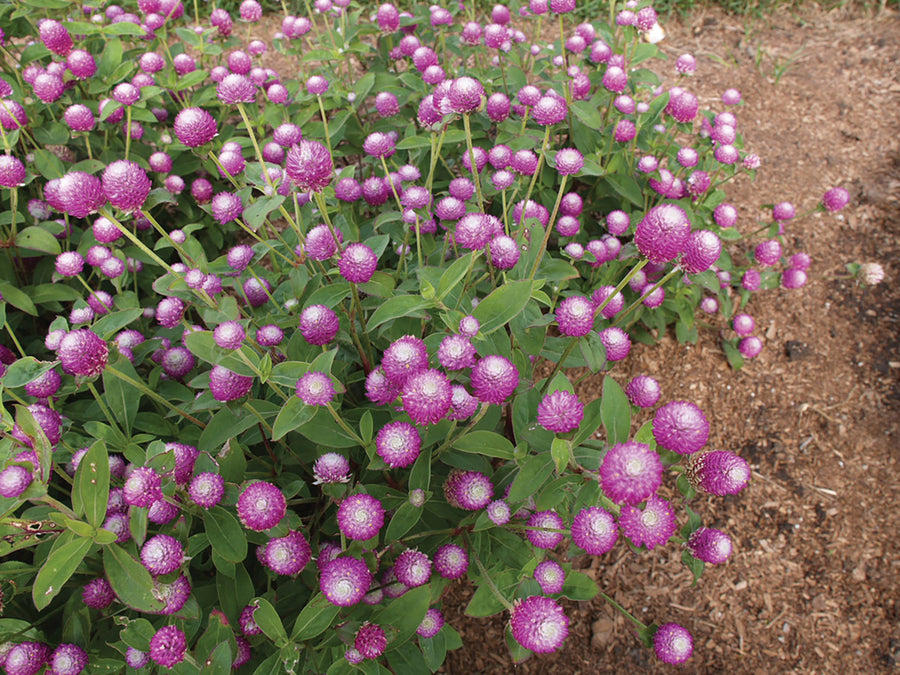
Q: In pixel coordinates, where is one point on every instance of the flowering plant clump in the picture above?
(291, 355)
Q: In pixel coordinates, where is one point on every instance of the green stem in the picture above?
(490, 582)
(633, 305)
(106, 411)
(344, 425)
(152, 394)
(127, 130)
(13, 336)
(324, 123)
(534, 178)
(628, 615)
(59, 506)
(475, 172)
(543, 249)
(469, 428)
(259, 157)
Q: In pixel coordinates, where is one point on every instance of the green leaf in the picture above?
(627, 187)
(130, 580)
(56, 570)
(484, 602)
(17, 298)
(38, 239)
(48, 164)
(124, 28)
(615, 411)
(403, 520)
(735, 358)
(235, 592)
(579, 586)
(588, 114)
(453, 275)
(405, 613)
(693, 564)
(225, 534)
(219, 662)
(434, 650)
(137, 634)
(559, 450)
(255, 214)
(225, 425)
(314, 618)
(293, 415)
(110, 324)
(122, 397)
(90, 493)
(53, 293)
(398, 306)
(531, 477)
(268, 620)
(420, 474)
(589, 424)
(486, 443)
(24, 371)
(203, 346)
(502, 304)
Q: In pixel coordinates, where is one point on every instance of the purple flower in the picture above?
(247, 623)
(174, 595)
(207, 489)
(67, 659)
(575, 316)
(469, 490)
(331, 468)
(261, 506)
(725, 215)
(226, 385)
(551, 577)
(412, 568)
(229, 335)
(143, 487)
(673, 643)
(451, 561)
(498, 512)
(136, 658)
(465, 95)
(680, 426)
(162, 554)
(357, 263)
(835, 199)
(494, 379)
(379, 144)
(226, 206)
(643, 391)
(318, 324)
(549, 110)
(315, 388)
(235, 88)
(309, 165)
(630, 473)
(543, 538)
(98, 594)
(750, 347)
(12, 171)
(560, 412)
(616, 342)
(404, 357)
(682, 105)
(288, 554)
(360, 517)
(651, 526)
(663, 233)
(168, 646)
(702, 249)
(613, 305)
(83, 352)
(709, 545)
(379, 388)
(344, 581)
(14, 480)
(686, 64)
(370, 640)
(432, 623)
(783, 211)
(569, 161)
(504, 252)
(195, 127)
(462, 404)
(426, 396)
(768, 253)
(793, 278)
(26, 658)
(539, 623)
(398, 444)
(594, 530)
(55, 36)
(126, 185)
(456, 352)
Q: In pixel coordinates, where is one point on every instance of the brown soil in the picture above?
(812, 585)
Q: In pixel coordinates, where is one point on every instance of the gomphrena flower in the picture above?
(261, 506)
(12, 171)
(643, 391)
(680, 426)
(331, 467)
(651, 526)
(67, 659)
(616, 342)
(315, 388)
(539, 624)
(55, 36)
(575, 316)
(226, 385)
(126, 185)
(370, 640)
(142, 487)
(768, 253)
(229, 335)
(412, 568)
(469, 490)
(630, 472)
(360, 517)
(835, 199)
(168, 646)
(871, 273)
(451, 561)
(427, 396)
(494, 379)
(318, 324)
(663, 232)
(344, 581)
(709, 545)
(98, 594)
(26, 658)
(594, 530)
(162, 554)
(569, 161)
(404, 357)
(549, 110)
(551, 577)
(235, 88)
(14, 480)
(226, 206)
(379, 144)
(456, 352)
(702, 249)
(719, 472)
(545, 538)
(207, 489)
(288, 554)
(195, 127)
(560, 411)
(673, 643)
(432, 623)
(309, 165)
(398, 444)
(357, 263)
(83, 352)
(498, 512)
(379, 388)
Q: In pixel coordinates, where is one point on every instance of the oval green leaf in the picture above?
(225, 534)
(502, 304)
(56, 570)
(314, 618)
(130, 580)
(486, 443)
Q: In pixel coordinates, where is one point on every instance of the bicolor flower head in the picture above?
(643, 391)
(551, 577)
(309, 165)
(630, 472)
(469, 490)
(545, 538)
(331, 467)
(575, 316)
(412, 568)
(360, 517)
(207, 489)
(835, 199)
(680, 426)
(539, 624)
(142, 487)
(560, 412)
(168, 646)
(226, 385)
(404, 357)
(315, 388)
(370, 640)
(432, 623)
(594, 530)
(719, 472)
(14, 480)
(494, 379)
(710, 545)
(398, 443)
(427, 396)
(702, 249)
(616, 342)
(379, 388)
(67, 659)
(83, 352)
(162, 554)
(344, 581)
(357, 263)
(26, 658)
(650, 526)
(451, 561)
(261, 506)
(288, 554)
(673, 643)
(126, 185)
(98, 594)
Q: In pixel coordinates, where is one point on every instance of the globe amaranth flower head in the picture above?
(835, 199)
(142, 487)
(494, 379)
(26, 658)
(663, 233)
(207, 489)
(98, 594)
(370, 640)
(451, 561)
(560, 411)
(545, 538)
(357, 263)
(331, 467)
(344, 581)
(288, 554)
(549, 110)
(643, 391)
(412, 568)
(67, 659)
(162, 554)
(469, 490)
(126, 185)
(404, 357)
(195, 127)
(630, 472)
(569, 161)
(398, 443)
(650, 526)
(168, 646)
(83, 352)
(360, 517)
(235, 88)
(719, 472)
(680, 426)
(594, 530)
(575, 316)
(465, 94)
(309, 165)
(551, 577)
(539, 624)
(12, 171)
(14, 480)
(261, 506)
(702, 249)
(226, 206)
(427, 396)
(673, 643)
(379, 144)
(432, 623)
(315, 388)
(456, 352)
(226, 385)
(709, 545)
